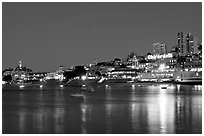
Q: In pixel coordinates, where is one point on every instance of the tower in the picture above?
(20, 64)
(195, 45)
(185, 43)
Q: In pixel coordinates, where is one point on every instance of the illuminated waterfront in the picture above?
(113, 108)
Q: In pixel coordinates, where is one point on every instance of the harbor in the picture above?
(102, 67)
(135, 108)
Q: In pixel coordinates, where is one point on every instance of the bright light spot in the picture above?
(171, 87)
(106, 85)
(61, 86)
(21, 86)
(198, 87)
(41, 86)
(163, 111)
(162, 67)
(83, 77)
(133, 106)
(178, 87)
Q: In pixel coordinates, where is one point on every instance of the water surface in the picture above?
(112, 109)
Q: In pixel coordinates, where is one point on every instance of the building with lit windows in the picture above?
(159, 48)
(195, 45)
(185, 44)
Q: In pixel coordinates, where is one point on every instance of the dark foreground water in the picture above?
(117, 108)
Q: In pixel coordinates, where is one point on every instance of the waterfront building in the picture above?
(18, 74)
(133, 62)
(159, 49)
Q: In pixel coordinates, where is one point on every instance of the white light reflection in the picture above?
(108, 87)
(133, 88)
(162, 109)
(133, 117)
(166, 109)
(59, 120)
(21, 86)
(84, 108)
(59, 112)
(108, 117)
(198, 87)
(22, 116)
(178, 88)
(108, 108)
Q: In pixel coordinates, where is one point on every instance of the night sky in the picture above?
(47, 35)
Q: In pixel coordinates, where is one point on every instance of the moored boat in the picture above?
(78, 95)
(191, 80)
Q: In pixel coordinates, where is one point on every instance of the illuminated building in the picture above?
(20, 64)
(133, 62)
(195, 45)
(159, 48)
(185, 44)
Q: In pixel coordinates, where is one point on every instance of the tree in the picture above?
(79, 70)
(7, 78)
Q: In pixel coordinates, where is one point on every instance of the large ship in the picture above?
(190, 80)
(181, 77)
(83, 80)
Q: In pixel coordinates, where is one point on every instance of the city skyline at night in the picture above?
(47, 35)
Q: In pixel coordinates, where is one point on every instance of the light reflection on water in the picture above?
(161, 109)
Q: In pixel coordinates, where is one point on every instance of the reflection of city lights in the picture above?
(84, 110)
(162, 105)
(171, 87)
(197, 87)
(133, 106)
(83, 118)
(178, 87)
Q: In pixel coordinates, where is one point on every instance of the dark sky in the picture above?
(47, 35)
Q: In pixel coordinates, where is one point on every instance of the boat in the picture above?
(117, 80)
(51, 82)
(81, 82)
(191, 80)
(78, 95)
(163, 87)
